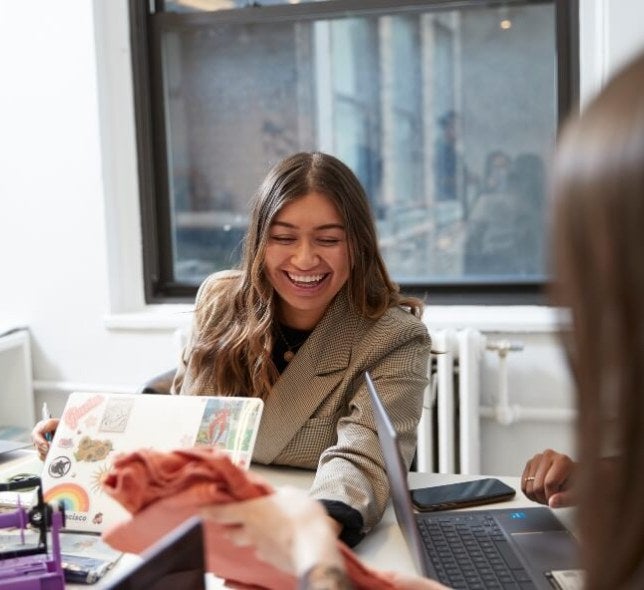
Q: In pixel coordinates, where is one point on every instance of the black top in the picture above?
(287, 339)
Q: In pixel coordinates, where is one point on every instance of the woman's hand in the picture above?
(42, 433)
(547, 478)
(287, 528)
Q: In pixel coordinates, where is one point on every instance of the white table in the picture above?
(383, 548)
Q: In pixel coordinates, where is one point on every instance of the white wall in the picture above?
(53, 227)
(69, 221)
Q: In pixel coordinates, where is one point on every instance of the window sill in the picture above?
(153, 318)
(486, 318)
(496, 318)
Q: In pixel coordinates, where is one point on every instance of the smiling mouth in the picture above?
(306, 281)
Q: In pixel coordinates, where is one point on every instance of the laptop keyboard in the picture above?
(470, 552)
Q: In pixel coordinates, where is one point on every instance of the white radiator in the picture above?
(448, 433)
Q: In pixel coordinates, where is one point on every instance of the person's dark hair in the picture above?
(527, 179)
(598, 187)
(491, 169)
(242, 339)
(447, 119)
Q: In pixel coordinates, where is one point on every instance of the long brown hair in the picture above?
(598, 185)
(241, 338)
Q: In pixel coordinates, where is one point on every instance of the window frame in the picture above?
(147, 23)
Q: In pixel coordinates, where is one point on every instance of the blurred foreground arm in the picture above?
(292, 531)
(289, 530)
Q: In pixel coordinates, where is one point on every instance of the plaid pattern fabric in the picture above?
(319, 416)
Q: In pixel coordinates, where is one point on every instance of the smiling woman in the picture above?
(307, 259)
(311, 308)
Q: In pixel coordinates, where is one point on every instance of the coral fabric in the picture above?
(163, 489)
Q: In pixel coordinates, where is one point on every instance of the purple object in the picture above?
(33, 568)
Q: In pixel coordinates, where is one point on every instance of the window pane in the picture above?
(446, 118)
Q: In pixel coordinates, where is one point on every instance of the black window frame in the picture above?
(147, 22)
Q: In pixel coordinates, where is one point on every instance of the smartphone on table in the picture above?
(461, 494)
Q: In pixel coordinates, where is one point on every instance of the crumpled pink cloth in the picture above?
(163, 489)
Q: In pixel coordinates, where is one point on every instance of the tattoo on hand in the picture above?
(325, 577)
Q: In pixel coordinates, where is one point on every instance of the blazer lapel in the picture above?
(311, 376)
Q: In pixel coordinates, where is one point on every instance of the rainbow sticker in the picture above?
(73, 497)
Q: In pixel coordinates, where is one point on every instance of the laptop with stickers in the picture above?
(96, 427)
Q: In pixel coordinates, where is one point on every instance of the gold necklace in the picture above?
(291, 348)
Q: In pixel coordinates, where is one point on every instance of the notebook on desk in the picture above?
(94, 428)
(522, 548)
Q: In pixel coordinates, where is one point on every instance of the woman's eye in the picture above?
(282, 239)
(329, 241)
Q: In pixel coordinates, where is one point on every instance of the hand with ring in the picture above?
(547, 478)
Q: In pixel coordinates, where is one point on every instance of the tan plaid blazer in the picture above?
(318, 415)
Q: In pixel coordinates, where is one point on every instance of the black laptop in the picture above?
(176, 561)
(521, 548)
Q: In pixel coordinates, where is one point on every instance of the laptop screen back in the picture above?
(176, 561)
(397, 474)
(95, 428)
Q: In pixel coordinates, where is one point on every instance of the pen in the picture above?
(46, 415)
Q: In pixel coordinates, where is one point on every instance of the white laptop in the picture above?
(525, 548)
(96, 427)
